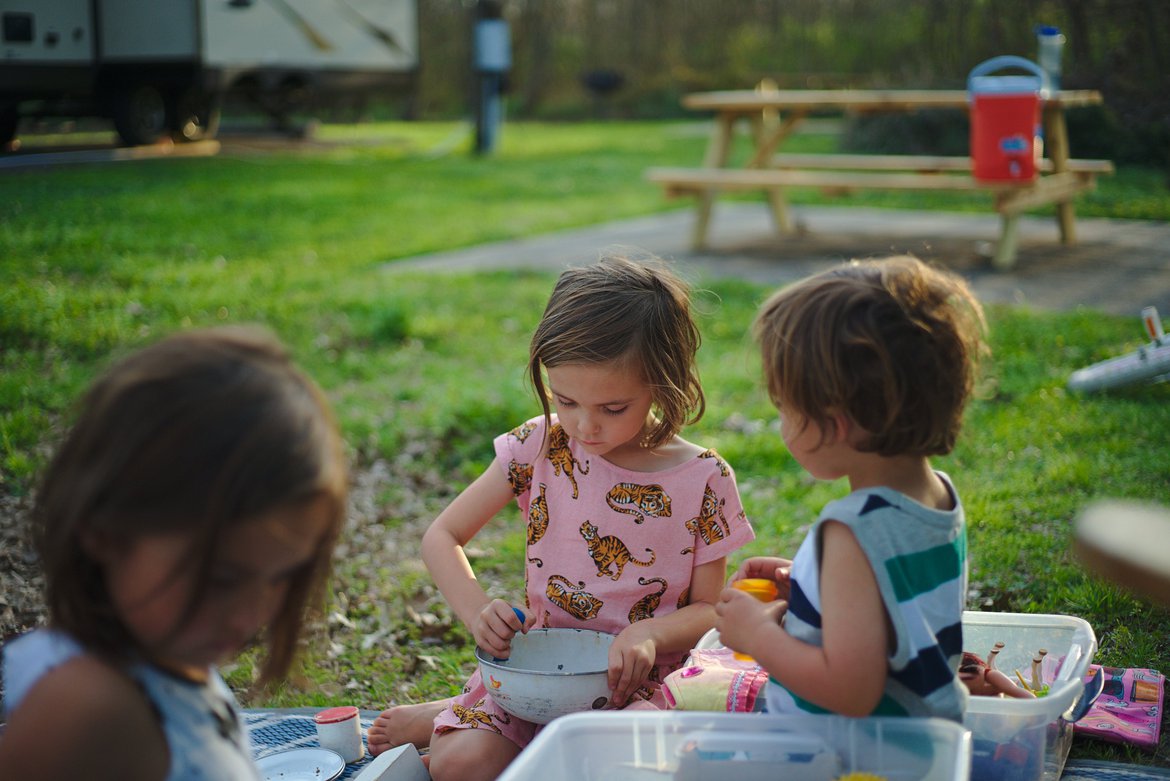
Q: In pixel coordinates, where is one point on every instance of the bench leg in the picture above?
(780, 213)
(1056, 139)
(1066, 219)
(704, 203)
(1009, 237)
(718, 151)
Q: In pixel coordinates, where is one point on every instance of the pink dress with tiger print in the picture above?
(606, 547)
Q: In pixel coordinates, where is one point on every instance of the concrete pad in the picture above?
(1117, 266)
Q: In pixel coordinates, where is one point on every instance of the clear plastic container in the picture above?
(697, 746)
(1027, 740)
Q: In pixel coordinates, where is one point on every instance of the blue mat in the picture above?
(1092, 770)
(271, 731)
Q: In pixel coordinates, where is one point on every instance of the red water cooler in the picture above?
(1006, 136)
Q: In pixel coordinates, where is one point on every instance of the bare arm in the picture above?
(77, 712)
(633, 653)
(847, 673)
(491, 622)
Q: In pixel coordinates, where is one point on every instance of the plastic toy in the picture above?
(1147, 364)
(983, 679)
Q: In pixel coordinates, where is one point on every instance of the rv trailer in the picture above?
(159, 67)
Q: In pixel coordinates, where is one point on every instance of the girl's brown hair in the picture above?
(199, 432)
(621, 310)
(892, 344)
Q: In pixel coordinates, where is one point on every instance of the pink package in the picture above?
(1129, 709)
(714, 679)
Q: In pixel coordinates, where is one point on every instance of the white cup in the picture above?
(339, 729)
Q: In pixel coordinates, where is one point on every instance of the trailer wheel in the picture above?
(9, 119)
(140, 115)
(193, 115)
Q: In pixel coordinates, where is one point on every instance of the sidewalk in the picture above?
(1117, 266)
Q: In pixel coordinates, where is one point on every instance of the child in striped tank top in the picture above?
(870, 365)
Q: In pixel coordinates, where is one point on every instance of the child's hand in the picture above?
(768, 567)
(631, 658)
(496, 625)
(739, 616)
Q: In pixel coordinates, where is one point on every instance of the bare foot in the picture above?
(404, 724)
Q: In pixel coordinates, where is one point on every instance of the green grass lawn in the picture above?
(425, 369)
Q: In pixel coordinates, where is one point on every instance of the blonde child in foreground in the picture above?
(629, 524)
(194, 502)
(870, 366)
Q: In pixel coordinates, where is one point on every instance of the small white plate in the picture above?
(301, 764)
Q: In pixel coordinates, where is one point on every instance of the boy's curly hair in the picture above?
(892, 344)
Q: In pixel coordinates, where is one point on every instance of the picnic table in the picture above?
(774, 115)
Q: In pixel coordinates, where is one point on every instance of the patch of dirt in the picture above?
(22, 605)
(390, 505)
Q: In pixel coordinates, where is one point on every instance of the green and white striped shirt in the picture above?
(919, 556)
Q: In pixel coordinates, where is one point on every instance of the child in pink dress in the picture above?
(629, 525)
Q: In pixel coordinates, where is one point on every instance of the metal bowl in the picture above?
(549, 673)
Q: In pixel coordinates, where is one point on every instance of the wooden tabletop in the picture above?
(747, 100)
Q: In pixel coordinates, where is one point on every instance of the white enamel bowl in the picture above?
(549, 673)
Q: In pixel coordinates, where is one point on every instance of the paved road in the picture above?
(1117, 266)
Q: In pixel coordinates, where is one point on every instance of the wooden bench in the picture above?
(842, 173)
(774, 114)
(846, 172)
(923, 163)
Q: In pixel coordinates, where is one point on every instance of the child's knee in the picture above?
(455, 765)
(466, 755)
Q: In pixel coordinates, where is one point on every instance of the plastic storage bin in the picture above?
(697, 746)
(1027, 740)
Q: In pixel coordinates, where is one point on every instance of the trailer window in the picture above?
(18, 28)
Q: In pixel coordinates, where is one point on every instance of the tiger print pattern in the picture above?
(524, 431)
(609, 551)
(538, 516)
(574, 600)
(537, 522)
(707, 523)
(519, 477)
(476, 716)
(639, 500)
(561, 457)
(645, 607)
(724, 469)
